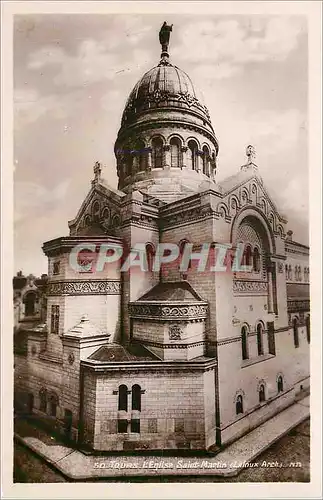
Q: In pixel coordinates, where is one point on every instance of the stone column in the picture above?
(270, 287)
(184, 151)
(199, 161)
(167, 156)
(149, 158)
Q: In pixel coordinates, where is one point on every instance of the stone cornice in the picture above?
(145, 366)
(175, 345)
(66, 243)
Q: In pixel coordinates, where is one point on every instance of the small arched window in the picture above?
(136, 397)
(157, 152)
(280, 384)
(141, 156)
(244, 342)
(175, 153)
(308, 328)
(239, 405)
(256, 260)
(123, 398)
(262, 395)
(286, 271)
(206, 160)
(290, 272)
(192, 146)
(260, 339)
(150, 255)
(295, 332)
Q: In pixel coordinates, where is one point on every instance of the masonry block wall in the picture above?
(174, 411)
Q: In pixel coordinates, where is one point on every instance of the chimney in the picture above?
(289, 236)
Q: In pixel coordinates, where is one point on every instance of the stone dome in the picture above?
(163, 86)
(166, 145)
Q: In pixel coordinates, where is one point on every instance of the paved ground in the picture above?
(292, 448)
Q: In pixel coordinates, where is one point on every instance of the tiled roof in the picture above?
(118, 352)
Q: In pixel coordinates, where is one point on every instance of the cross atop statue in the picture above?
(97, 171)
(164, 35)
(251, 154)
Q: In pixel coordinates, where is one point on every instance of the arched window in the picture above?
(123, 398)
(256, 260)
(181, 246)
(290, 272)
(43, 400)
(244, 342)
(206, 160)
(136, 397)
(262, 395)
(299, 273)
(157, 152)
(295, 332)
(239, 405)
(280, 384)
(150, 254)
(247, 256)
(141, 156)
(308, 328)
(193, 154)
(175, 153)
(53, 403)
(95, 209)
(260, 339)
(286, 271)
(296, 273)
(30, 300)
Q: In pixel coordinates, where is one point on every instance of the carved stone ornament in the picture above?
(82, 287)
(71, 358)
(175, 332)
(280, 267)
(250, 286)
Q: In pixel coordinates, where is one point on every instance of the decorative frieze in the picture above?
(244, 286)
(84, 287)
(168, 312)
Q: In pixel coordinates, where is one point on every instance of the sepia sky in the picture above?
(72, 77)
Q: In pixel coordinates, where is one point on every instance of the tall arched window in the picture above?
(181, 246)
(260, 339)
(136, 397)
(299, 273)
(43, 400)
(53, 403)
(128, 162)
(295, 332)
(239, 405)
(262, 395)
(123, 398)
(157, 152)
(206, 160)
(30, 300)
(244, 342)
(150, 254)
(193, 154)
(308, 328)
(247, 256)
(290, 272)
(280, 384)
(175, 153)
(141, 156)
(296, 273)
(256, 260)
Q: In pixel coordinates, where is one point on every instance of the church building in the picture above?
(134, 359)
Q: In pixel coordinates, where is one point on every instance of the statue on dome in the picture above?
(251, 153)
(164, 35)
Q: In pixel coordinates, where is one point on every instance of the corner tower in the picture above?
(166, 146)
